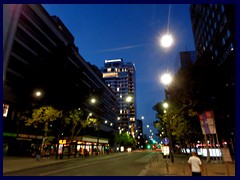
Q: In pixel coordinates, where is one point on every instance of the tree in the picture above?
(42, 116)
(78, 121)
(124, 139)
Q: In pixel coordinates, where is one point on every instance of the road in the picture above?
(119, 164)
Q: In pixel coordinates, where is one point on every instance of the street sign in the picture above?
(165, 141)
(165, 150)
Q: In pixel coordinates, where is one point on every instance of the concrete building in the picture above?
(121, 78)
(39, 54)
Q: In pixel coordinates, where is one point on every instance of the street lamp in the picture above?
(93, 100)
(38, 93)
(166, 78)
(128, 100)
(166, 41)
(165, 105)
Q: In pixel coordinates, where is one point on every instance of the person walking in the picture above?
(195, 165)
(38, 153)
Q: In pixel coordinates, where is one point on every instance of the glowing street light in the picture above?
(166, 79)
(93, 100)
(129, 99)
(166, 41)
(38, 93)
(165, 105)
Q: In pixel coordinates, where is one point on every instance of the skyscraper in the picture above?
(214, 35)
(213, 29)
(120, 77)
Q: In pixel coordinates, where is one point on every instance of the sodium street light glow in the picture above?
(129, 99)
(38, 93)
(93, 100)
(165, 105)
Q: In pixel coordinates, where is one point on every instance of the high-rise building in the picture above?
(139, 132)
(120, 77)
(214, 35)
(213, 29)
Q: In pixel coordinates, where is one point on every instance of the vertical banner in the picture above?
(210, 121)
(201, 123)
(204, 124)
(206, 127)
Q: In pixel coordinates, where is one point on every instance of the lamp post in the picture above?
(128, 100)
(169, 132)
(167, 79)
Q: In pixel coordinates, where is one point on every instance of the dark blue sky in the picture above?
(131, 32)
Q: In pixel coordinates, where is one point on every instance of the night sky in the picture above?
(131, 32)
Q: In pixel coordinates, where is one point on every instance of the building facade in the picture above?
(40, 54)
(213, 27)
(139, 132)
(187, 57)
(121, 78)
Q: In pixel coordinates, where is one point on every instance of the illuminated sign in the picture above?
(62, 141)
(110, 75)
(113, 60)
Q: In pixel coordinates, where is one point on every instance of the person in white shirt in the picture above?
(195, 165)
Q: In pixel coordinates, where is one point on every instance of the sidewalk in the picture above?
(160, 166)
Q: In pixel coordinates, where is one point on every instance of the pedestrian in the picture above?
(195, 165)
(38, 153)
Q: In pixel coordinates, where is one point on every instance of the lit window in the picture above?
(5, 110)
(117, 88)
(108, 69)
(222, 8)
(223, 41)
(228, 34)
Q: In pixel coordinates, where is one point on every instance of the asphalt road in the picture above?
(120, 164)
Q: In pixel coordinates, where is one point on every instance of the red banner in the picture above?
(210, 121)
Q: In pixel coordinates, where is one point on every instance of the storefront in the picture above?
(83, 146)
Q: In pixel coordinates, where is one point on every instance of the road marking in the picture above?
(73, 167)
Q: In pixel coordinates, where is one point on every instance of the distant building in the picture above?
(139, 134)
(121, 78)
(187, 57)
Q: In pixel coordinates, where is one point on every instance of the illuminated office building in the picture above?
(120, 77)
